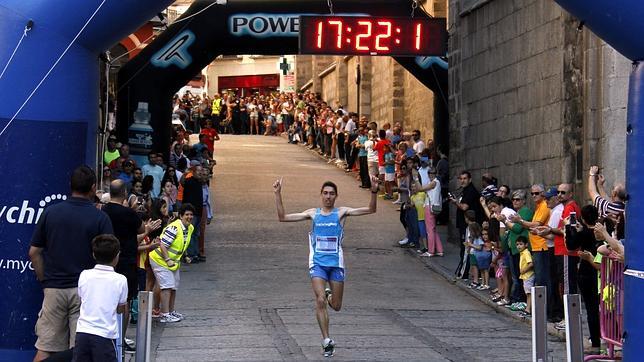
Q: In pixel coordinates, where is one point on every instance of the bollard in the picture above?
(144, 327)
(539, 324)
(574, 334)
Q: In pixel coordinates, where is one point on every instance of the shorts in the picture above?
(422, 230)
(381, 170)
(56, 325)
(390, 177)
(473, 260)
(528, 284)
(129, 271)
(328, 273)
(373, 168)
(483, 260)
(90, 347)
(166, 278)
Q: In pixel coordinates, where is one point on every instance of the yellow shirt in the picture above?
(419, 201)
(541, 214)
(524, 259)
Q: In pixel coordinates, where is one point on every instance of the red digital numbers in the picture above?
(373, 36)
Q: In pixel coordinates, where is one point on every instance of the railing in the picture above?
(611, 308)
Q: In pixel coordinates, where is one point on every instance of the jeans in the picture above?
(411, 219)
(541, 269)
(364, 171)
(516, 294)
(463, 265)
(193, 248)
(340, 152)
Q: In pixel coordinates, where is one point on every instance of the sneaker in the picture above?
(327, 293)
(176, 314)
(403, 241)
(511, 305)
(168, 318)
(129, 345)
(483, 287)
(439, 254)
(473, 285)
(520, 306)
(561, 325)
(426, 255)
(503, 302)
(525, 314)
(329, 348)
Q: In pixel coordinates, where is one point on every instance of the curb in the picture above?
(449, 276)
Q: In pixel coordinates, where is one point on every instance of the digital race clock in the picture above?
(359, 35)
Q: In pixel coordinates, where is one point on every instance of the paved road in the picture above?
(252, 299)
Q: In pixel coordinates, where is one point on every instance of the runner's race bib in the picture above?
(326, 244)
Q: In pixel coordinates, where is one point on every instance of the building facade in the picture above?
(534, 96)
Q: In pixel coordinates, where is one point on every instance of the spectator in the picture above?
(418, 144)
(515, 230)
(154, 169)
(193, 195)
(538, 243)
(124, 155)
(489, 185)
(497, 213)
(111, 153)
(176, 153)
(126, 173)
(103, 294)
(526, 268)
(60, 250)
(580, 235)
(617, 203)
(166, 261)
(127, 225)
(433, 207)
(469, 200)
(362, 158)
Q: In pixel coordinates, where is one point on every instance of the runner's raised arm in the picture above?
(308, 214)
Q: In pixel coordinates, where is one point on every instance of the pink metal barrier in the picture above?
(611, 308)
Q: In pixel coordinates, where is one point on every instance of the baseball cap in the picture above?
(194, 163)
(552, 192)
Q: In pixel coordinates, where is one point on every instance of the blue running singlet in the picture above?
(325, 240)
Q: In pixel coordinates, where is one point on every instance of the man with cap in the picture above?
(111, 153)
(555, 307)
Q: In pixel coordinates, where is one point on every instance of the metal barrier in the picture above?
(611, 308)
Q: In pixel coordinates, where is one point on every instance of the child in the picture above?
(103, 293)
(408, 216)
(474, 243)
(418, 199)
(526, 271)
(483, 254)
(390, 172)
(463, 265)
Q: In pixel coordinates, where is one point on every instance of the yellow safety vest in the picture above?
(176, 249)
(216, 106)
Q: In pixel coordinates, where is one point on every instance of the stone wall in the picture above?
(533, 97)
(418, 106)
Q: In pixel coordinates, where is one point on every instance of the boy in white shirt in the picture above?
(103, 293)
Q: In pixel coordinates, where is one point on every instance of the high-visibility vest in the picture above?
(216, 107)
(176, 249)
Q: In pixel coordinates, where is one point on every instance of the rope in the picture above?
(24, 34)
(52, 68)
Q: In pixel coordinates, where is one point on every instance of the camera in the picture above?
(573, 218)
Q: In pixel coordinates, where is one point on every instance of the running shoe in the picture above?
(168, 318)
(176, 314)
(403, 241)
(520, 306)
(129, 346)
(329, 348)
(426, 255)
(503, 302)
(483, 287)
(561, 325)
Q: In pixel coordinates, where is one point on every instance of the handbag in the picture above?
(437, 209)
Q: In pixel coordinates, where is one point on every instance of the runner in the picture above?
(326, 260)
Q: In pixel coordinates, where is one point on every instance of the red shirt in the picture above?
(560, 245)
(380, 148)
(209, 140)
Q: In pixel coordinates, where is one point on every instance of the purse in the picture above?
(437, 209)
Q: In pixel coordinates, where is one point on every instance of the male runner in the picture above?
(326, 260)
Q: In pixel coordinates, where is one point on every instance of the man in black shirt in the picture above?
(61, 248)
(469, 200)
(193, 194)
(127, 225)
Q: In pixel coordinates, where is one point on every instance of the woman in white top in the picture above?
(253, 111)
(433, 207)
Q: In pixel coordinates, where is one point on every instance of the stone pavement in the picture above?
(252, 299)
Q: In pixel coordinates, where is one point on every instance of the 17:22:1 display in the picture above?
(371, 36)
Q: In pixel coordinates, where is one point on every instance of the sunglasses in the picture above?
(536, 193)
(562, 192)
(517, 199)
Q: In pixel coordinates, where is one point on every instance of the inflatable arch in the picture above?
(49, 86)
(243, 27)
